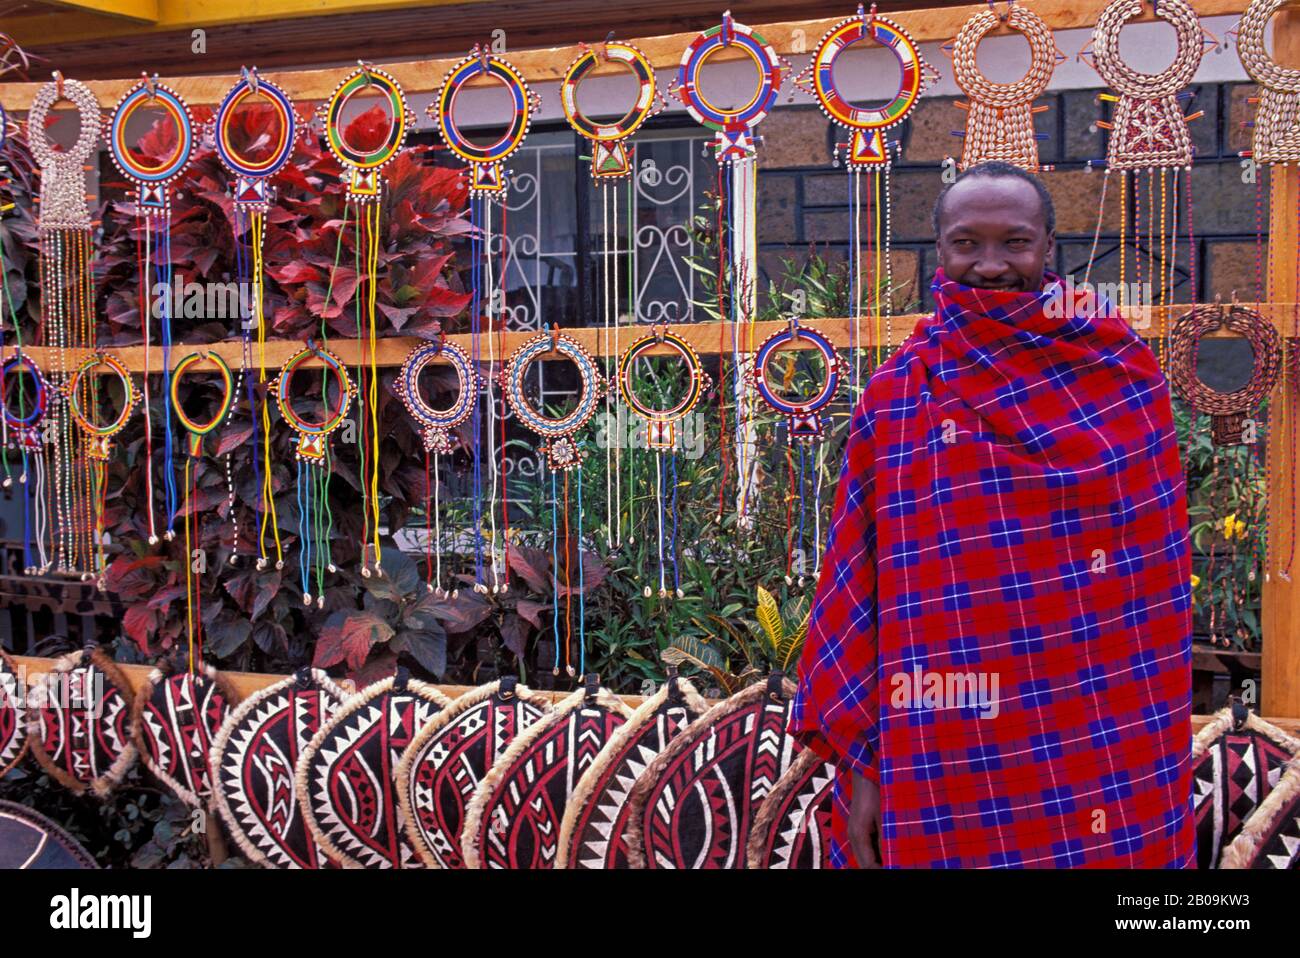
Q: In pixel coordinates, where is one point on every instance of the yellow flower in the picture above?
(1232, 526)
(1196, 580)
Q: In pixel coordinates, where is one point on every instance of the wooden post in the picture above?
(1280, 679)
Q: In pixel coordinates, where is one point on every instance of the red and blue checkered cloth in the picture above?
(1011, 509)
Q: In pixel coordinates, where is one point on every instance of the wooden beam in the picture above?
(1280, 674)
(246, 683)
(132, 11)
(664, 52)
(704, 337)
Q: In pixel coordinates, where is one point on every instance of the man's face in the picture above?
(992, 234)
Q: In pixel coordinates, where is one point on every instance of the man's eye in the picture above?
(1018, 243)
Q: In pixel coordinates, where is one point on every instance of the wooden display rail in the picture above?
(246, 683)
(708, 338)
(664, 52)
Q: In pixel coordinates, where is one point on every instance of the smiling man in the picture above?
(1010, 517)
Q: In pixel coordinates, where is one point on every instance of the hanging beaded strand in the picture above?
(63, 231)
(561, 449)
(365, 189)
(152, 185)
(196, 431)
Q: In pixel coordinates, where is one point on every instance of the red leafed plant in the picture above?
(251, 618)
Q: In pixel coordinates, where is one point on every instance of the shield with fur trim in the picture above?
(514, 818)
(1236, 762)
(695, 805)
(591, 835)
(30, 840)
(347, 776)
(1270, 839)
(79, 722)
(449, 757)
(177, 715)
(253, 758)
(13, 716)
(792, 828)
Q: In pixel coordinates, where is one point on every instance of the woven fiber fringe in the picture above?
(445, 717)
(682, 743)
(770, 810)
(1221, 723)
(585, 790)
(165, 670)
(105, 783)
(222, 741)
(478, 804)
(302, 772)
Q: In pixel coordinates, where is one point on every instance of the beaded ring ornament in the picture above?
(99, 438)
(487, 178)
(1149, 128)
(364, 183)
(23, 434)
(437, 424)
(734, 127)
(805, 424)
(436, 431)
(253, 176)
(561, 450)
(312, 451)
(1227, 410)
(866, 147)
(1277, 121)
(63, 171)
(312, 436)
(562, 453)
(1233, 421)
(609, 157)
(151, 182)
(805, 427)
(1000, 122)
(196, 431)
(661, 433)
(661, 429)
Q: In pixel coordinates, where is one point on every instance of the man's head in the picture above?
(995, 227)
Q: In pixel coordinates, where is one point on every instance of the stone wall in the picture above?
(803, 200)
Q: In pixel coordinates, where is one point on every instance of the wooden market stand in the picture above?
(1280, 662)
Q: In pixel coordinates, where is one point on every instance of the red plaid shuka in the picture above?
(1011, 508)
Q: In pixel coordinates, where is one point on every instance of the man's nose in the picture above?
(991, 265)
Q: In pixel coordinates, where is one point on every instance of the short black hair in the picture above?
(1000, 169)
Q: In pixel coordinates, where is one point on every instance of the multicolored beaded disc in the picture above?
(609, 158)
(23, 426)
(866, 147)
(364, 165)
(805, 422)
(437, 424)
(487, 176)
(312, 436)
(560, 448)
(252, 176)
(661, 423)
(151, 182)
(98, 445)
(734, 127)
